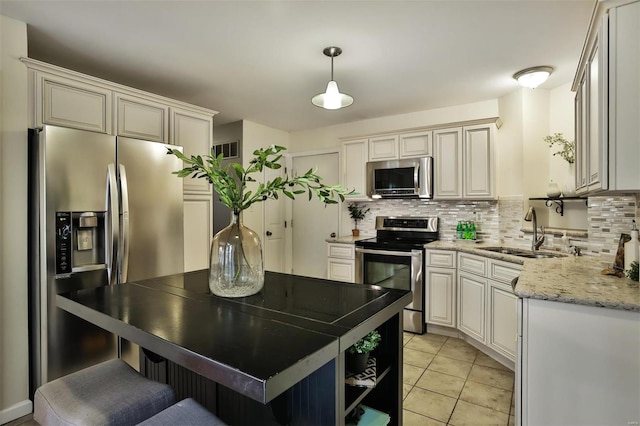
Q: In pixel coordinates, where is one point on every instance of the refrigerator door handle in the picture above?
(113, 226)
(124, 193)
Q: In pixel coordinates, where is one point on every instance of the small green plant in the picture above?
(567, 149)
(632, 272)
(357, 213)
(366, 344)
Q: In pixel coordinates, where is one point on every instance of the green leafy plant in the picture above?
(632, 272)
(230, 180)
(567, 149)
(366, 344)
(357, 212)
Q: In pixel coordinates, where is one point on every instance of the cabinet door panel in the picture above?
(415, 144)
(141, 119)
(503, 320)
(354, 162)
(478, 162)
(68, 103)
(194, 132)
(340, 270)
(197, 232)
(472, 305)
(447, 150)
(383, 148)
(440, 296)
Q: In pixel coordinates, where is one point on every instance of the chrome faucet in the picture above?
(536, 240)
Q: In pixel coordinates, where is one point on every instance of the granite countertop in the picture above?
(348, 239)
(571, 279)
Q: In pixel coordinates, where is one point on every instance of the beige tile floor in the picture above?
(449, 382)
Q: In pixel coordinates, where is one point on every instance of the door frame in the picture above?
(288, 232)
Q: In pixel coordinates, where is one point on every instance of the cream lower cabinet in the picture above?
(198, 231)
(472, 305)
(486, 304)
(440, 287)
(341, 262)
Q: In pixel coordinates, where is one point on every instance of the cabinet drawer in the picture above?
(441, 259)
(474, 264)
(503, 271)
(343, 251)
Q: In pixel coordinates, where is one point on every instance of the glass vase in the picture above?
(236, 267)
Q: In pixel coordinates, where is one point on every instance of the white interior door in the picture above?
(312, 221)
(274, 238)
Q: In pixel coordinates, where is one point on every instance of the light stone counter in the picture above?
(347, 239)
(571, 279)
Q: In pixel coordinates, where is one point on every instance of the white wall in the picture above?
(509, 151)
(14, 355)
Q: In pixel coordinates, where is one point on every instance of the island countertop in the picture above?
(570, 279)
(258, 345)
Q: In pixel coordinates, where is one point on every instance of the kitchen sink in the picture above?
(523, 253)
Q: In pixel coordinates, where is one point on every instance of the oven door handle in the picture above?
(411, 253)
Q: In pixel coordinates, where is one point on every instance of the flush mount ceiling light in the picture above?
(533, 77)
(332, 98)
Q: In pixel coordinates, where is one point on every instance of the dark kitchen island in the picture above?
(277, 357)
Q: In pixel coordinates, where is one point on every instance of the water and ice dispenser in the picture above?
(80, 241)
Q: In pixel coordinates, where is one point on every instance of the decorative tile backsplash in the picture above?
(501, 221)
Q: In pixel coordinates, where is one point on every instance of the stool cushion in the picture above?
(109, 393)
(185, 412)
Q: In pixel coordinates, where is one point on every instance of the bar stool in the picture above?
(185, 412)
(109, 393)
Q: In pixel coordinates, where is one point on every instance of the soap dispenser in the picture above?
(565, 242)
(631, 248)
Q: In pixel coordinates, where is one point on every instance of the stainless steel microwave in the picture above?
(407, 178)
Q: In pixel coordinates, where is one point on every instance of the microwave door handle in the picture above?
(113, 226)
(416, 178)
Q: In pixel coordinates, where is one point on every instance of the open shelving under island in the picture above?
(277, 357)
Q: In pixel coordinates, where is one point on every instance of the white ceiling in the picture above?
(262, 60)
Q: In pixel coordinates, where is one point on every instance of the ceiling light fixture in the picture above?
(533, 77)
(332, 98)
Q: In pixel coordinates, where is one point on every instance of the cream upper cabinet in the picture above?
(591, 125)
(141, 119)
(447, 159)
(478, 171)
(416, 144)
(463, 162)
(383, 148)
(194, 132)
(607, 104)
(355, 154)
(65, 102)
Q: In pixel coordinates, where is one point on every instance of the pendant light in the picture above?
(533, 77)
(332, 98)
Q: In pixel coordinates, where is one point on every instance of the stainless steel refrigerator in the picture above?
(104, 210)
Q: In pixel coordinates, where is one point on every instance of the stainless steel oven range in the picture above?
(395, 259)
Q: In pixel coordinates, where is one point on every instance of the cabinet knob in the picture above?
(333, 235)
(269, 233)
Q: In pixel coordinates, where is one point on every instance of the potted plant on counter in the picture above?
(358, 354)
(357, 213)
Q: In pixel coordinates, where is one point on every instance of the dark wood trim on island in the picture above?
(277, 357)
